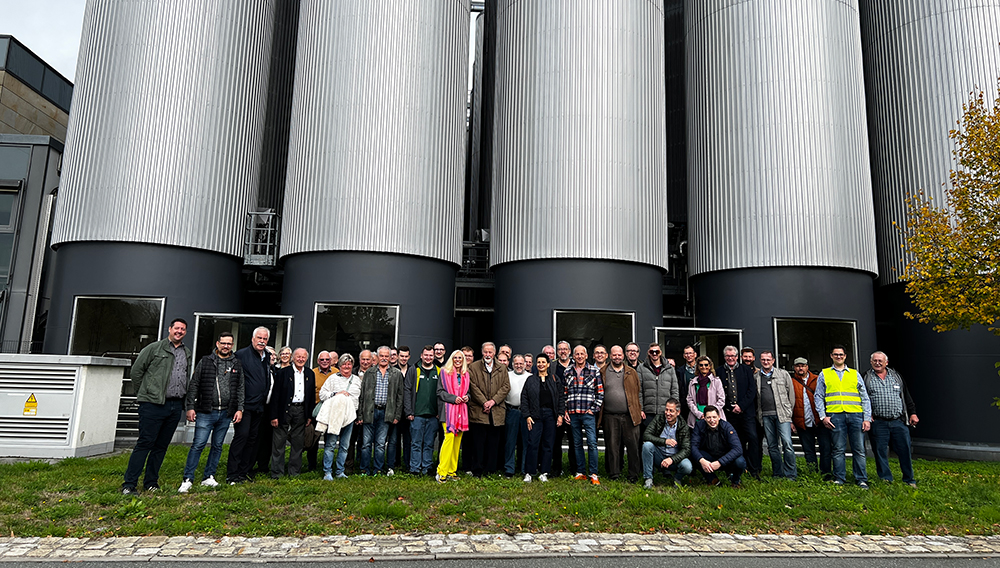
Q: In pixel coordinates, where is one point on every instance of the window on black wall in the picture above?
(592, 328)
(351, 328)
(114, 326)
(814, 339)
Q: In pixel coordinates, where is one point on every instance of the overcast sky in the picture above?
(50, 28)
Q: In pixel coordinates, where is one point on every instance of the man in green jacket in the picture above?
(159, 378)
(667, 443)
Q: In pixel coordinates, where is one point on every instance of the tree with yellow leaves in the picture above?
(953, 270)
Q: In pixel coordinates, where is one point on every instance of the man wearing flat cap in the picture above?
(805, 420)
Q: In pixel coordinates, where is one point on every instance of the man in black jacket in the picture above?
(715, 446)
(741, 403)
(257, 379)
(214, 399)
(667, 443)
(291, 411)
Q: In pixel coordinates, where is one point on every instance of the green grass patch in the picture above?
(79, 497)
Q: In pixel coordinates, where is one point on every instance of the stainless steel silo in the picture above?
(923, 59)
(780, 204)
(579, 172)
(376, 170)
(162, 155)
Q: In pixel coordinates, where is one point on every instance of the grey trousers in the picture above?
(292, 431)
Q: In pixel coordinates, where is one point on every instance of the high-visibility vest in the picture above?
(842, 394)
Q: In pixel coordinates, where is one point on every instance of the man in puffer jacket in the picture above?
(214, 399)
(658, 381)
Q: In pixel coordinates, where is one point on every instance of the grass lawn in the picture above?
(79, 497)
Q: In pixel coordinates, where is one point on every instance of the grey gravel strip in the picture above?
(444, 546)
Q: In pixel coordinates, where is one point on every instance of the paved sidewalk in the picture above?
(440, 546)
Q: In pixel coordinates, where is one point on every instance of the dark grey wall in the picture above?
(950, 375)
(527, 292)
(192, 280)
(750, 298)
(423, 288)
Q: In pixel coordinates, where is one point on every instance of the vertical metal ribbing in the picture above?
(923, 58)
(579, 132)
(377, 144)
(778, 166)
(165, 133)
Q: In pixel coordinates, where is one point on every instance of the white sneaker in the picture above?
(185, 486)
(210, 481)
(527, 478)
(648, 484)
(390, 473)
(543, 477)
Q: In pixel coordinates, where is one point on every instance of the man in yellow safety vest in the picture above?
(843, 405)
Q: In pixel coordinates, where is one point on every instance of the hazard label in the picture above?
(31, 406)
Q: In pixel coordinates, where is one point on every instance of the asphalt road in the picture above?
(585, 562)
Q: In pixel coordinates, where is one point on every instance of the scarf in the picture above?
(457, 414)
(701, 393)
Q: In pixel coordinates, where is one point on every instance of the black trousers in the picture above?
(483, 447)
(243, 449)
(746, 428)
(620, 434)
(562, 432)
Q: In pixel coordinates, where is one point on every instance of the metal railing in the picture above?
(261, 244)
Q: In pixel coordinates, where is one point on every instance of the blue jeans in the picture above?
(584, 425)
(847, 428)
(216, 423)
(331, 441)
(422, 432)
(779, 445)
(653, 456)
(157, 423)
(895, 433)
(374, 433)
(516, 426)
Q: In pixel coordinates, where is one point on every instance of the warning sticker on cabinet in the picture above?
(31, 406)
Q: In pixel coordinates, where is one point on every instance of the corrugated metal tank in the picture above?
(378, 129)
(165, 133)
(778, 165)
(579, 137)
(923, 58)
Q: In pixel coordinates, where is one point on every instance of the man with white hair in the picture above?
(381, 406)
(258, 385)
(489, 384)
(291, 410)
(893, 414)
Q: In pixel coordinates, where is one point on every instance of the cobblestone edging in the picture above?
(441, 546)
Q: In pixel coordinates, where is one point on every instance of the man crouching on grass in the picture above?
(715, 446)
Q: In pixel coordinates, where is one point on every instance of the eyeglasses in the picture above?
(839, 355)
(652, 352)
(704, 365)
(631, 350)
(229, 344)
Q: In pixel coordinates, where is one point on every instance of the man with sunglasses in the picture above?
(844, 407)
(658, 382)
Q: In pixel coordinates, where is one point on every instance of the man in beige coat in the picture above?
(776, 397)
(489, 384)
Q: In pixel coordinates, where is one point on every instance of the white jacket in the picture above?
(338, 411)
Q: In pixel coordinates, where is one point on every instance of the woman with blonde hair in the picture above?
(453, 392)
(284, 357)
(705, 389)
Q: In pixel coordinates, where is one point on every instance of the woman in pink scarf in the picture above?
(453, 391)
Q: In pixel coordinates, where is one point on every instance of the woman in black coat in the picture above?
(542, 404)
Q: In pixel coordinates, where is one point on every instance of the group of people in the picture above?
(509, 413)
